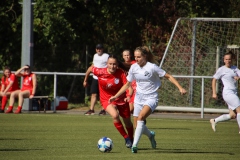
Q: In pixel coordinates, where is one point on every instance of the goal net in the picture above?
(194, 52)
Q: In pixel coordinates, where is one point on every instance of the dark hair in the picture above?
(145, 51)
(120, 64)
(28, 68)
(127, 51)
(229, 53)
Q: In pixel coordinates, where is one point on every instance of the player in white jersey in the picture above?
(146, 74)
(99, 61)
(229, 75)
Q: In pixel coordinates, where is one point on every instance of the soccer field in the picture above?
(70, 136)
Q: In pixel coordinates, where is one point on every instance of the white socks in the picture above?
(238, 121)
(138, 132)
(146, 131)
(223, 117)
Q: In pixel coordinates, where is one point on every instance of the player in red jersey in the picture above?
(28, 89)
(126, 54)
(111, 79)
(9, 83)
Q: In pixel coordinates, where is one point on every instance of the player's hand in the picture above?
(236, 78)
(214, 96)
(111, 99)
(127, 99)
(183, 91)
(31, 96)
(85, 84)
(4, 93)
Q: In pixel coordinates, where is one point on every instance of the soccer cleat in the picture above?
(1, 111)
(128, 142)
(102, 112)
(152, 140)
(134, 149)
(213, 124)
(89, 112)
(18, 111)
(9, 110)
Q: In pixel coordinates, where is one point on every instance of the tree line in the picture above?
(65, 29)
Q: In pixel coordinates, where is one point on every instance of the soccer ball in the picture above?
(105, 144)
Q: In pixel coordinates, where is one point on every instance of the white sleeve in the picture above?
(218, 74)
(130, 76)
(238, 72)
(159, 71)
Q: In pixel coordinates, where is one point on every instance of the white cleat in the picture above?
(213, 124)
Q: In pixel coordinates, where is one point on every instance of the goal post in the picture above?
(195, 49)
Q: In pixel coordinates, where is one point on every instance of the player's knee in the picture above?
(140, 118)
(232, 115)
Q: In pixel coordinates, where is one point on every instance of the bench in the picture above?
(42, 101)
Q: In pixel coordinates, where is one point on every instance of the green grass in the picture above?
(73, 136)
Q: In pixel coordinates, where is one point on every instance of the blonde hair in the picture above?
(144, 50)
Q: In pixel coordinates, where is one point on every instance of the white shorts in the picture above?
(140, 100)
(232, 100)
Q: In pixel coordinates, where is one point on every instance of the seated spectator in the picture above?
(28, 89)
(9, 84)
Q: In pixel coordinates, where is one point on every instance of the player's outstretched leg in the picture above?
(152, 140)
(213, 124)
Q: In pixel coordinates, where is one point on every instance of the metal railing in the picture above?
(166, 108)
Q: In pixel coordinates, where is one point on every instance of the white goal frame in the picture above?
(193, 52)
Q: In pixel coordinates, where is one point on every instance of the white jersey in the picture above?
(100, 61)
(147, 77)
(227, 76)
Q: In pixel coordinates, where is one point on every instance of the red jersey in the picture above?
(132, 62)
(110, 84)
(27, 83)
(134, 86)
(11, 78)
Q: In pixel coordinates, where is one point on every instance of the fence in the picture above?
(186, 108)
(200, 109)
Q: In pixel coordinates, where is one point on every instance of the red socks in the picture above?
(4, 102)
(121, 129)
(130, 132)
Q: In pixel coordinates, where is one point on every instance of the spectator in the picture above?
(99, 61)
(126, 54)
(9, 84)
(28, 89)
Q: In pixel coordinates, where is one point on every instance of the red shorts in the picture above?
(30, 90)
(123, 109)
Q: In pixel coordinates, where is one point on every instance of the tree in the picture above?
(10, 30)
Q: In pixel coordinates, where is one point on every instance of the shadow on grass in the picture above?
(10, 150)
(3, 139)
(171, 128)
(178, 151)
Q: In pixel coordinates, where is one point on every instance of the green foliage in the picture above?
(10, 31)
